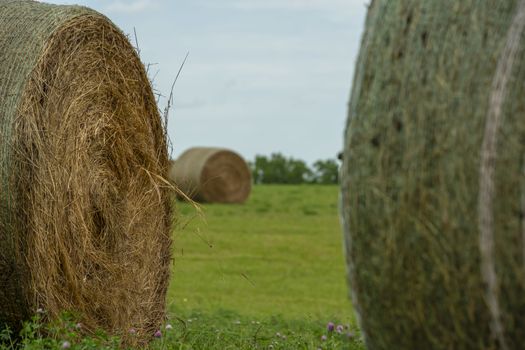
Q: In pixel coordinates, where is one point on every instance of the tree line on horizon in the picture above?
(279, 169)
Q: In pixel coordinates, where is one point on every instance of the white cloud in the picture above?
(130, 6)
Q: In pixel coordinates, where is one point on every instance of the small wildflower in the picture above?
(270, 347)
(190, 320)
(283, 337)
(39, 310)
(339, 329)
(66, 344)
(237, 322)
(78, 326)
(157, 334)
(169, 326)
(330, 326)
(278, 335)
(323, 337)
(132, 331)
(257, 322)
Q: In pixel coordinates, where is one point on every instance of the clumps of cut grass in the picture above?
(309, 211)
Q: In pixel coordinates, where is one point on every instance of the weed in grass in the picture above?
(222, 330)
(228, 330)
(63, 333)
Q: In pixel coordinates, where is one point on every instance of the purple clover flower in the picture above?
(330, 327)
(66, 344)
(323, 337)
(339, 329)
(157, 334)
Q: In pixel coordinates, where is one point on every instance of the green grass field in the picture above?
(277, 259)
(268, 274)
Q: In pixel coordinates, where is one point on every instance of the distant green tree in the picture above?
(326, 171)
(298, 171)
(280, 169)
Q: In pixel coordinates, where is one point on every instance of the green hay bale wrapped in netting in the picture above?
(433, 188)
(84, 204)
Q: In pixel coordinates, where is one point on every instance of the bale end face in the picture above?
(212, 175)
(87, 216)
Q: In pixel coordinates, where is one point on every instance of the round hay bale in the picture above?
(433, 184)
(85, 211)
(213, 175)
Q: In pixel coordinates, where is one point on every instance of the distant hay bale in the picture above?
(84, 208)
(212, 175)
(433, 185)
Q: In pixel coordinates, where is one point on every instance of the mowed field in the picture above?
(268, 274)
(276, 260)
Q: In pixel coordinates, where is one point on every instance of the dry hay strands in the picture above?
(213, 175)
(85, 210)
(433, 191)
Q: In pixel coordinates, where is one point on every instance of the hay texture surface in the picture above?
(433, 189)
(84, 210)
(213, 175)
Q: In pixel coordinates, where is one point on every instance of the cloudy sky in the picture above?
(262, 76)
